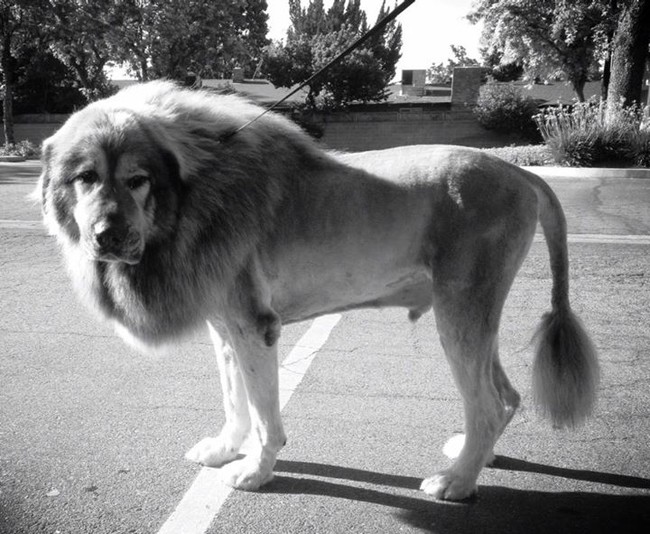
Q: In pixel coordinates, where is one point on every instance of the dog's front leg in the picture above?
(215, 452)
(256, 353)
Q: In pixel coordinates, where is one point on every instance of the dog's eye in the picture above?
(86, 177)
(136, 182)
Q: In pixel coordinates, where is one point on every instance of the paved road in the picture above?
(92, 435)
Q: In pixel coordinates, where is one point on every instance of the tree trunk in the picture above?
(607, 66)
(607, 72)
(579, 88)
(144, 70)
(8, 100)
(629, 53)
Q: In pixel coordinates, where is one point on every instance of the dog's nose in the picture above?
(110, 237)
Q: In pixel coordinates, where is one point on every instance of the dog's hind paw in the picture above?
(246, 474)
(454, 446)
(212, 452)
(448, 486)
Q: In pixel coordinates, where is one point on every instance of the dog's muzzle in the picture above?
(115, 242)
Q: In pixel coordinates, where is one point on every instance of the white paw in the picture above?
(248, 473)
(212, 452)
(448, 486)
(454, 447)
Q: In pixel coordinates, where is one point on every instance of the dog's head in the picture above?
(107, 185)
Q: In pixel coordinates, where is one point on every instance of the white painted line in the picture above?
(200, 504)
(295, 365)
(614, 239)
(205, 497)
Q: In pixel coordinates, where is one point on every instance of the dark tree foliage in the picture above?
(571, 39)
(80, 35)
(44, 85)
(20, 22)
(169, 39)
(318, 35)
(501, 71)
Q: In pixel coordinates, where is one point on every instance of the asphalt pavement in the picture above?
(92, 434)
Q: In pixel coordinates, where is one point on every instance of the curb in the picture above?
(583, 172)
(11, 159)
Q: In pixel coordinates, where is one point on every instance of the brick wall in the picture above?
(354, 131)
(359, 131)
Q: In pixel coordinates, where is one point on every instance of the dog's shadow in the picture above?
(497, 509)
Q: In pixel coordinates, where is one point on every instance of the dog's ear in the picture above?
(40, 194)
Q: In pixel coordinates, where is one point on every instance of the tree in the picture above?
(441, 74)
(629, 53)
(169, 39)
(317, 35)
(500, 70)
(18, 26)
(548, 37)
(81, 39)
(43, 83)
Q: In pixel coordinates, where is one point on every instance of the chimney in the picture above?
(465, 85)
(413, 82)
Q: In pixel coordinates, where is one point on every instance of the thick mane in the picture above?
(231, 192)
(192, 124)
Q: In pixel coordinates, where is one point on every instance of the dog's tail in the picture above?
(565, 369)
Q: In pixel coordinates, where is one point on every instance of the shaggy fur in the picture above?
(166, 224)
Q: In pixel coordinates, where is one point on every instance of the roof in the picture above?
(557, 92)
(260, 91)
(265, 93)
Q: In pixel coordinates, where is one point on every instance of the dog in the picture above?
(169, 218)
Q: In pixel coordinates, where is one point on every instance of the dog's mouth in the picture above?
(129, 251)
(132, 258)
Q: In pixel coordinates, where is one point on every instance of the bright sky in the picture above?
(429, 28)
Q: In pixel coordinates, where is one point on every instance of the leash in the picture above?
(370, 33)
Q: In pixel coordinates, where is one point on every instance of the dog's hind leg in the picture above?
(471, 283)
(510, 400)
(215, 452)
(469, 348)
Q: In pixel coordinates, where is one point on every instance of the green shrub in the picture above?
(23, 149)
(504, 109)
(588, 135)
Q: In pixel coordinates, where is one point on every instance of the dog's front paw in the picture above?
(212, 452)
(448, 486)
(246, 474)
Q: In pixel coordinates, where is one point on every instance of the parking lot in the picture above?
(92, 434)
